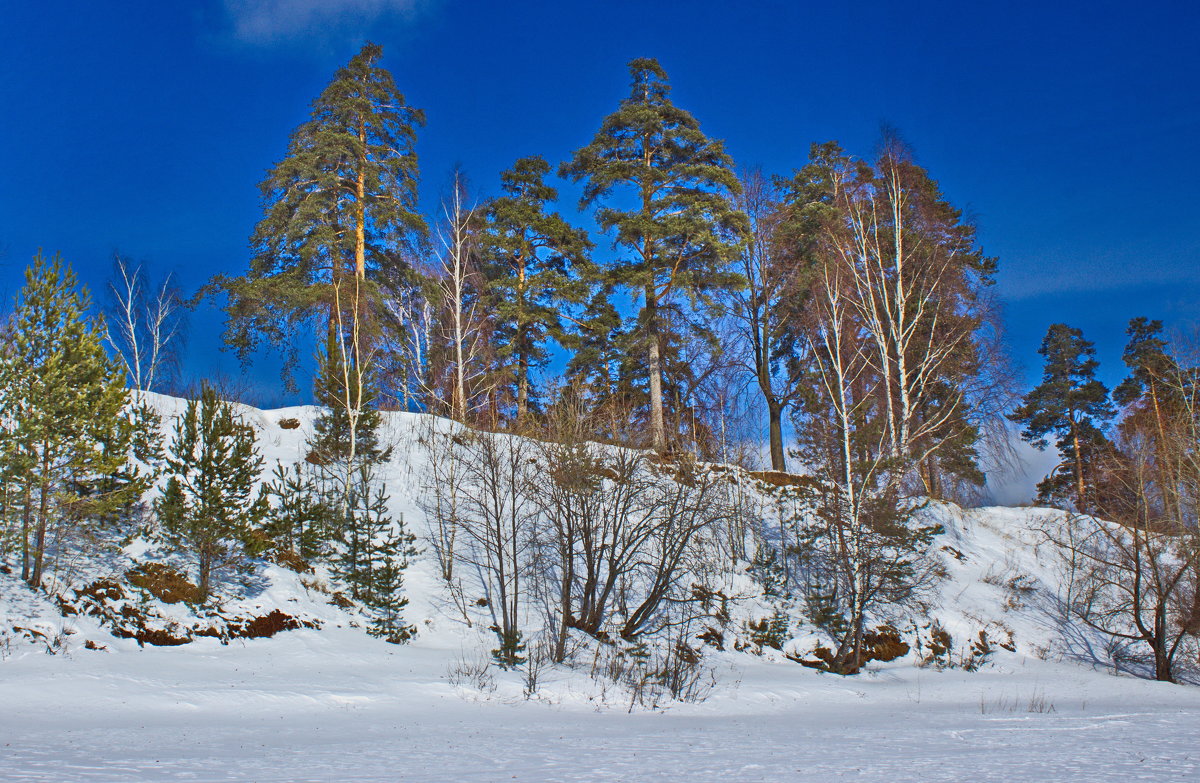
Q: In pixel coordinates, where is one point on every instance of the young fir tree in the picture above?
(345, 439)
(341, 205)
(209, 503)
(121, 491)
(533, 261)
(64, 430)
(374, 553)
(347, 502)
(1073, 405)
(299, 518)
(681, 230)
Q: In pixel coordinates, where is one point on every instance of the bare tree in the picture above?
(442, 497)
(145, 324)
(777, 271)
(460, 287)
(496, 528)
(626, 542)
(1134, 567)
(408, 314)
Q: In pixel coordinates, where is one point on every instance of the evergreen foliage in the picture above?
(209, 505)
(372, 552)
(346, 432)
(299, 519)
(682, 229)
(65, 432)
(124, 487)
(334, 508)
(1071, 404)
(1146, 357)
(511, 651)
(537, 267)
(342, 204)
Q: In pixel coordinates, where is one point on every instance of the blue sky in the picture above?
(1066, 130)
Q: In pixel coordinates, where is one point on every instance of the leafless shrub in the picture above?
(1037, 703)
(653, 672)
(473, 673)
(538, 658)
(496, 523)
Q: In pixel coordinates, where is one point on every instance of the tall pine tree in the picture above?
(1146, 357)
(680, 231)
(1071, 404)
(65, 433)
(534, 260)
(342, 205)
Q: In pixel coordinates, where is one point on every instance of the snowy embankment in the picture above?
(332, 703)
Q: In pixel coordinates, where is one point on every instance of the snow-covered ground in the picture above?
(337, 705)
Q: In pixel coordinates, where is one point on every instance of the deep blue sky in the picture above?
(1067, 130)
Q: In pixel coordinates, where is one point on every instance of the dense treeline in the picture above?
(841, 312)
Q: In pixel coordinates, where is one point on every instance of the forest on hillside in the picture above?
(607, 384)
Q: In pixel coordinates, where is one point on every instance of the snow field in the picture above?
(337, 705)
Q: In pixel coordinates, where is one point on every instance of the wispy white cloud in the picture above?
(1130, 266)
(269, 22)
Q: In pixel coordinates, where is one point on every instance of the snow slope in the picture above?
(336, 704)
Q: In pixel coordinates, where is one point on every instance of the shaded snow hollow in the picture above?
(337, 705)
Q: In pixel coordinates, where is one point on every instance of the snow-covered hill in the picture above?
(326, 701)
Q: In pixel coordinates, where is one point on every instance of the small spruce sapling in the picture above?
(299, 519)
(372, 554)
(209, 504)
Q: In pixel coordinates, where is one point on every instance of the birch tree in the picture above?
(862, 550)
(145, 324)
(461, 288)
(916, 283)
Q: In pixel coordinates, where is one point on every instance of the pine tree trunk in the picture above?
(658, 430)
(360, 207)
(522, 384)
(933, 486)
(775, 416)
(522, 351)
(205, 576)
(39, 538)
(1079, 485)
(25, 530)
